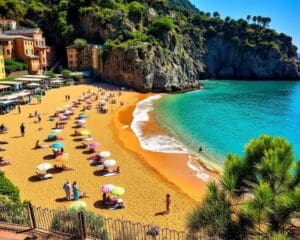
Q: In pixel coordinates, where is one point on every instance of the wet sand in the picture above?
(145, 175)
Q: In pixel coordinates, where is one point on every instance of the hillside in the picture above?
(162, 45)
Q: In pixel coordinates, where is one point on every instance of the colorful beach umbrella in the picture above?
(84, 132)
(107, 188)
(104, 154)
(52, 136)
(109, 163)
(68, 112)
(78, 206)
(61, 158)
(44, 167)
(57, 145)
(118, 191)
(94, 144)
(82, 115)
(81, 121)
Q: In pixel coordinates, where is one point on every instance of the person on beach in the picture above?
(200, 149)
(22, 129)
(67, 188)
(168, 202)
(19, 109)
(76, 193)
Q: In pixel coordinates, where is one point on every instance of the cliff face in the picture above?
(223, 59)
(151, 68)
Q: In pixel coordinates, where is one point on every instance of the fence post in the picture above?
(32, 216)
(82, 225)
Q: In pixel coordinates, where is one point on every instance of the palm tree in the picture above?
(248, 18)
(254, 19)
(260, 190)
(259, 20)
(216, 15)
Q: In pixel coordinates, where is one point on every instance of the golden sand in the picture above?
(146, 186)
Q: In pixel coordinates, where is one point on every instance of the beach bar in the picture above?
(4, 89)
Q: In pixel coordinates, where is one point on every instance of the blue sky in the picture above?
(285, 14)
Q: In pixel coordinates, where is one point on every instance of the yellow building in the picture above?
(2, 66)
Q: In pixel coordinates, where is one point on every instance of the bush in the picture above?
(162, 24)
(12, 65)
(80, 43)
(66, 74)
(51, 74)
(8, 189)
(136, 10)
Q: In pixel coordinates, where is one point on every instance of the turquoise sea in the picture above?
(225, 115)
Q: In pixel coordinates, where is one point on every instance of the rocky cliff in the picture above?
(223, 59)
(151, 68)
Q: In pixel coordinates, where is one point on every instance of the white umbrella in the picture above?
(68, 112)
(67, 106)
(81, 121)
(44, 167)
(109, 163)
(56, 130)
(104, 154)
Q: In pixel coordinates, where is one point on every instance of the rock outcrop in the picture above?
(224, 60)
(151, 68)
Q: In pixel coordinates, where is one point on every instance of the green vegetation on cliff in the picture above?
(214, 46)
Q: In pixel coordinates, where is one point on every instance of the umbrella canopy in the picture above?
(78, 206)
(109, 163)
(84, 132)
(44, 167)
(57, 130)
(82, 115)
(107, 188)
(76, 102)
(52, 136)
(118, 191)
(63, 117)
(88, 101)
(67, 106)
(104, 154)
(61, 158)
(94, 144)
(57, 145)
(68, 112)
(81, 121)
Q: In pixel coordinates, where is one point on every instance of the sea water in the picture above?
(225, 115)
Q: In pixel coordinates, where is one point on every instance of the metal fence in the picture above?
(88, 225)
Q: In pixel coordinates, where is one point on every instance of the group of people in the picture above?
(73, 190)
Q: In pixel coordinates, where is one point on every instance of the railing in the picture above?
(87, 225)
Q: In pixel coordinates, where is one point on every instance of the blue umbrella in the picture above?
(82, 116)
(57, 145)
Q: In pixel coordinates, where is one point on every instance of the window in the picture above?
(32, 51)
(26, 51)
(71, 63)
(7, 52)
(71, 56)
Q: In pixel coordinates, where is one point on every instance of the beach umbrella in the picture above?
(57, 145)
(107, 188)
(118, 191)
(81, 121)
(104, 154)
(67, 106)
(68, 112)
(56, 130)
(94, 144)
(89, 102)
(44, 167)
(84, 132)
(61, 158)
(78, 206)
(76, 102)
(87, 139)
(52, 136)
(109, 163)
(82, 115)
(62, 117)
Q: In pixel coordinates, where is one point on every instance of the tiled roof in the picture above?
(10, 37)
(22, 31)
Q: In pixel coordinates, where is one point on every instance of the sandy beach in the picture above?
(146, 176)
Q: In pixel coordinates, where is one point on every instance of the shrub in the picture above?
(162, 24)
(66, 74)
(51, 74)
(8, 189)
(136, 10)
(80, 43)
(12, 65)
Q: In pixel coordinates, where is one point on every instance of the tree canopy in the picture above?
(258, 194)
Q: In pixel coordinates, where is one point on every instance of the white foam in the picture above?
(155, 143)
(198, 169)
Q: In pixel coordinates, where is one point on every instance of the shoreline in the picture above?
(165, 164)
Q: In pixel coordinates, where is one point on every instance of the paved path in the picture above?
(4, 235)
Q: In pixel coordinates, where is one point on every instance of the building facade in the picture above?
(28, 45)
(2, 65)
(86, 58)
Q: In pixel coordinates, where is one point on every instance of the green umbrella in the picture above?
(118, 191)
(78, 206)
(82, 115)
